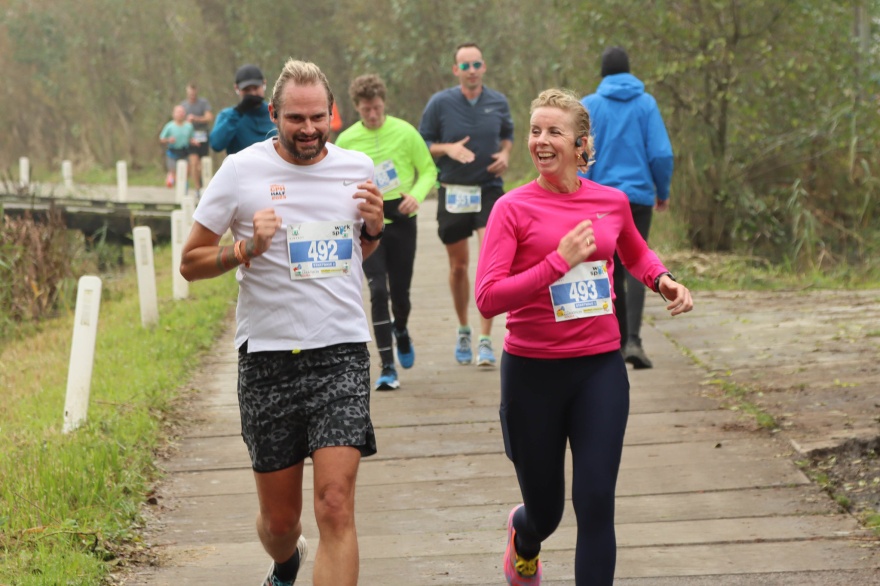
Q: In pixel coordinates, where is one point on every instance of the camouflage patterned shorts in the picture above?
(293, 404)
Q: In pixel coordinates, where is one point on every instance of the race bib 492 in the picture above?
(319, 249)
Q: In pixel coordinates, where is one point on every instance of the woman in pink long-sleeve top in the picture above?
(547, 261)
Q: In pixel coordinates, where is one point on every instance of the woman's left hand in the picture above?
(678, 295)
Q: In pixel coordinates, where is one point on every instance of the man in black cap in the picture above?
(633, 154)
(248, 121)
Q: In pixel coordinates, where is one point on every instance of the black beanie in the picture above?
(614, 60)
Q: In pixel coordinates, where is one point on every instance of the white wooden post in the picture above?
(181, 285)
(82, 352)
(207, 171)
(24, 171)
(67, 174)
(180, 181)
(121, 181)
(188, 205)
(146, 275)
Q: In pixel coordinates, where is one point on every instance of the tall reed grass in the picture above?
(39, 263)
(70, 505)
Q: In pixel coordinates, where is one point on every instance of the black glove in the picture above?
(248, 103)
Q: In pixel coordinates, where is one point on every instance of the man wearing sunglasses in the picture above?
(469, 131)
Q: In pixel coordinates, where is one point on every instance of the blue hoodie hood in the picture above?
(622, 87)
(633, 152)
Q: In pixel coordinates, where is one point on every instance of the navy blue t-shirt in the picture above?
(449, 117)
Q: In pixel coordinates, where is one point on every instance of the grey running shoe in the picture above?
(485, 355)
(635, 355)
(463, 352)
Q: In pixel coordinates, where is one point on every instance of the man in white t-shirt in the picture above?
(304, 214)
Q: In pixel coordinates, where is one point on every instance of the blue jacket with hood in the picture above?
(633, 152)
(234, 131)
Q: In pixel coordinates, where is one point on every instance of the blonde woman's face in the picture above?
(552, 139)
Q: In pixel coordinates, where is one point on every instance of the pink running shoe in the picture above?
(519, 571)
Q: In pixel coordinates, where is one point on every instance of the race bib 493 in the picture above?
(584, 291)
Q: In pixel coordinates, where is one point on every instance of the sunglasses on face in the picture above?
(466, 66)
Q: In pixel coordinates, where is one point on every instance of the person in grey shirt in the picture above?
(199, 114)
(469, 131)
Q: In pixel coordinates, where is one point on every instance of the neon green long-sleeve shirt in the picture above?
(400, 142)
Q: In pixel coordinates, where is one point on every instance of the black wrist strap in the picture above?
(369, 237)
(657, 283)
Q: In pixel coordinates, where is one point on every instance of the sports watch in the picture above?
(657, 283)
(371, 238)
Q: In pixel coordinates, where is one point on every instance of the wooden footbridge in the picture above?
(90, 208)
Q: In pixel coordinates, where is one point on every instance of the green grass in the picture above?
(727, 271)
(70, 504)
(151, 174)
(737, 395)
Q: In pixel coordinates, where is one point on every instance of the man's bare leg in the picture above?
(278, 522)
(336, 562)
(485, 324)
(459, 282)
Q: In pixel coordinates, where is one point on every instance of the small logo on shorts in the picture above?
(600, 216)
(277, 192)
(349, 181)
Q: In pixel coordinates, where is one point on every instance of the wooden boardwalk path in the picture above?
(700, 500)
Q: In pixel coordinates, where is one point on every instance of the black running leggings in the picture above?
(584, 401)
(629, 292)
(390, 268)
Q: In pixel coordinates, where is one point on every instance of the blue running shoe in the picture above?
(387, 381)
(406, 354)
(463, 352)
(485, 355)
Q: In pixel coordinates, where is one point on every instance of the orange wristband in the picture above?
(239, 254)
